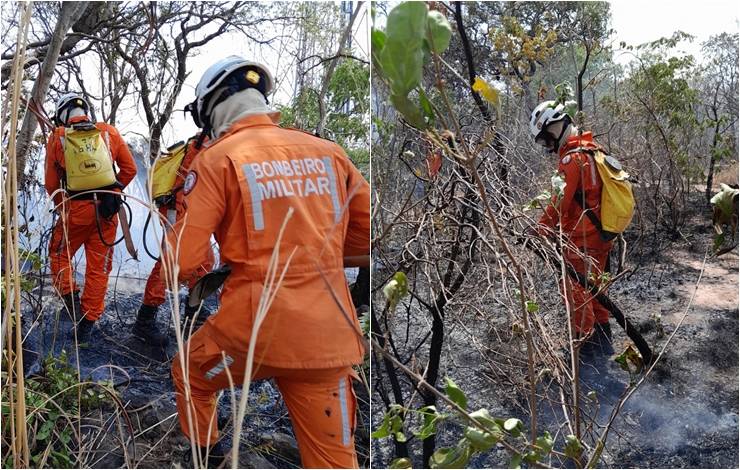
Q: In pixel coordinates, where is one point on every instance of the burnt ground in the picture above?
(141, 376)
(685, 415)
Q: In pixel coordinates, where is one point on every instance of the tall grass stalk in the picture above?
(14, 344)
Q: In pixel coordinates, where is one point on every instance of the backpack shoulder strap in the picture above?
(106, 138)
(61, 137)
(580, 199)
(587, 150)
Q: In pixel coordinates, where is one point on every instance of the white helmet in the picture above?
(220, 76)
(67, 102)
(545, 114)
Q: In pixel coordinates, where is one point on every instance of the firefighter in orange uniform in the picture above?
(81, 157)
(240, 189)
(553, 129)
(172, 208)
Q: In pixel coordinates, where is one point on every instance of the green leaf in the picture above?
(573, 447)
(719, 240)
(377, 40)
(532, 457)
(480, 440)
(439, 30)
(516, 461)
(532, 306)
(406, 23)
(426, 106)
(396, 289)
(564, 92)
(384, 430)
(545, 443)
(401, 59)
(630, 361)
(402, 462)
(410, 110)
(455, 394)
(447, 457)
(365, 323)
(431, 418)
(484, 417)
(513, 426)
(396, 423)
(45, 430)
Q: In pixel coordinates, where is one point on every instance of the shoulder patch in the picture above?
(189, 183)
(566, 159)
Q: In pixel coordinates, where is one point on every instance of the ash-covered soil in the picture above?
(142, 377)
(685, 415)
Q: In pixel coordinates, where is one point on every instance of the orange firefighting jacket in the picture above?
(580, 175)
(55, 172)
(240, 189)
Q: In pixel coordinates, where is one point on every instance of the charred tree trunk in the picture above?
(402, 449)
(451, 284)
(579, 79)
(470, 63)
(69, 11)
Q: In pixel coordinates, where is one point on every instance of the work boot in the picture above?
(190, 317)
(216, 456)
(84, 327)
(72, 308)
(146, 326)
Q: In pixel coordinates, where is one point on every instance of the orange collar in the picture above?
(77, 119)
(585, 139)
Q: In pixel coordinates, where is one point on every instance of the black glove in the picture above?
(109, 205)
(207, 285)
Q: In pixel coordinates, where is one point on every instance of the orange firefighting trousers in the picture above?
(321, 402)
(584, 307)
(81, 229)
(154, 292)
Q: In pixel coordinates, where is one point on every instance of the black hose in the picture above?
(146, 227)
(100, 231)
(616, 313)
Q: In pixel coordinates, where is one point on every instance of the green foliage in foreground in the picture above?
(481, 432)
(54, 403)
(399, 53)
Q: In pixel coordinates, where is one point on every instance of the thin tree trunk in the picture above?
(469, 62)
(70, 11)
(330, 70)
(402, 449)
(710, 173)
(579, 79)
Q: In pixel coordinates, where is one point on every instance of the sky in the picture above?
(181, 127)
(638, 22)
